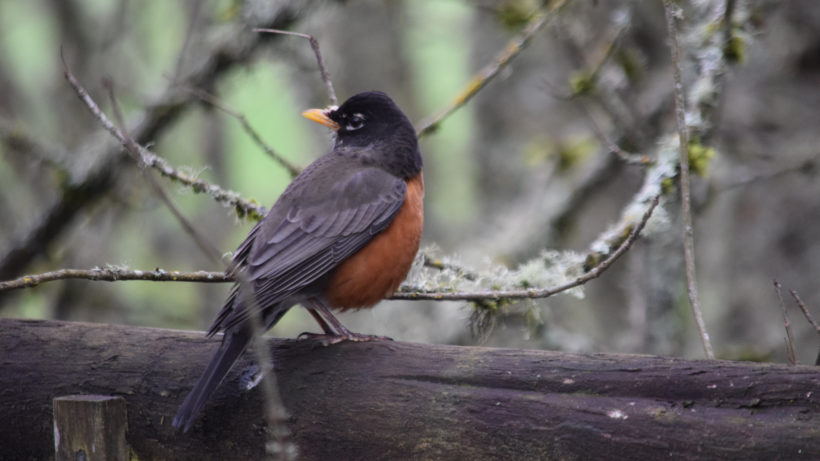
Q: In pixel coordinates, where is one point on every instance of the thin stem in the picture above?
(805, 310)
(611, 146)
(331, 93)
(791, 353)
(686, 208)
(491, 70)
(292, 169)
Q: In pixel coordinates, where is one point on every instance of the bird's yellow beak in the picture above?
(320, 116)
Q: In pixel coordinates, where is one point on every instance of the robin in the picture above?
(341, 236)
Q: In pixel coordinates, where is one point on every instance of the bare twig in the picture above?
(491, 70)
(292, 169)
(612, 101)
(16, 138)
(672, 12)
(807, 167)
(612, 147)
(609, 50)
(806, 312)
(577, 94)
(791, 353)
(315, 45)
(808, 316)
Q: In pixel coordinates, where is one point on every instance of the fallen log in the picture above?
(394, 400)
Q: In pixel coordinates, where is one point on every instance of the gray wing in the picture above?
(330, 211)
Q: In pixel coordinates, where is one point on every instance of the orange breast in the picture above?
(377, 270)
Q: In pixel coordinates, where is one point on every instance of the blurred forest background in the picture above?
(520, 169)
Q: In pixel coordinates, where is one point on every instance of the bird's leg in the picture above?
(328, 332)
(338, 332)
(325, 327)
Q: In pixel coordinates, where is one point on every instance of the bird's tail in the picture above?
(233, 344)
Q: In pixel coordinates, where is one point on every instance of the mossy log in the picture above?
(394, 400)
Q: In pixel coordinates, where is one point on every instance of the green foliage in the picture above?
(575, 152)
(700, 157)
(582, 83)
(735, 50)
(514, 14)
(630, 62)
(668, 186)
(229, 10)
(592, 260)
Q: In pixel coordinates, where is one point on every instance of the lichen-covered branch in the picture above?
(584, 275)
(112, 274)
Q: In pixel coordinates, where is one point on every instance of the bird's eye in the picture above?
(356, 121)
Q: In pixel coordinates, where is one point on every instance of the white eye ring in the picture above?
(355, 122)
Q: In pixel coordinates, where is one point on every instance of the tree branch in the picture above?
(144, 156)
(498, 295)
(114, 274)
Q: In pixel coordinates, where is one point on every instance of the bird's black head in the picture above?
(371, 124)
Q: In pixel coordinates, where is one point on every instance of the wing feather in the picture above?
(327, 214)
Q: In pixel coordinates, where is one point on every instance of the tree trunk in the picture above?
(393, 400)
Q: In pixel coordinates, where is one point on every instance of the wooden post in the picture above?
(90, 428)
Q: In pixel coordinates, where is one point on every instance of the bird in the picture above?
(343, 235)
